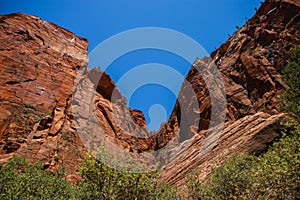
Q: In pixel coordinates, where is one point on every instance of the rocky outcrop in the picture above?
(252, 133)
(40, 62)
(138, 117)
(38, 65)
(54, 108)
(250, 64)
(100, 108)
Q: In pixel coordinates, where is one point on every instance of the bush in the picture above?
(291, 75)
(103, 182)
(18, 180)
(273, 175)
(276, 173)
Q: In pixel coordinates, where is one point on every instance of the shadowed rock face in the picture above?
(40, 63)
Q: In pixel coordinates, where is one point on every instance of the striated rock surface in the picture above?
(252, 133)
(138, 117)
(38, 65)
(250, 64)
(54, 108)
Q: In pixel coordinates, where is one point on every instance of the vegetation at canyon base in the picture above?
(19, 180)
(272, 175)
(291, 75)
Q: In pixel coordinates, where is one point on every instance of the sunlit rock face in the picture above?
(38, 65)
(48, 97)
(250, 63)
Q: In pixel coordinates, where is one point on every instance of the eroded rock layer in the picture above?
(53, 107)
(250, 64)
(38, 65)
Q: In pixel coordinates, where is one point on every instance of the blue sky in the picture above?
(208, 22)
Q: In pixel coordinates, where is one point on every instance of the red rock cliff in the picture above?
(38, 64)
(250, 63)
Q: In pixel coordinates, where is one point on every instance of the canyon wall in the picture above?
(47, 94)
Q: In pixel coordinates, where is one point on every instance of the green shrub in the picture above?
(18, 180)
(104, 182)
(273, 175)
(291, 75)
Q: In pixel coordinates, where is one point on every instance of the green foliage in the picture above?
(291, 75)
(68, 138)
(273, 175)
(28, 105)
(18, 180)
(104, 182)
(193, 185)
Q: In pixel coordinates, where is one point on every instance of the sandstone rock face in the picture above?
(138, 117)
(252, 133)
(38, 64)
(250, 63)
(97, 96)
(54, 108)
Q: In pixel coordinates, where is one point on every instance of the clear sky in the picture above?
(209, 22)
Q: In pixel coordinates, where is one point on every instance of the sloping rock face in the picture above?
(38, 64)
(97, 96)
(250, 63)
(252, 133)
